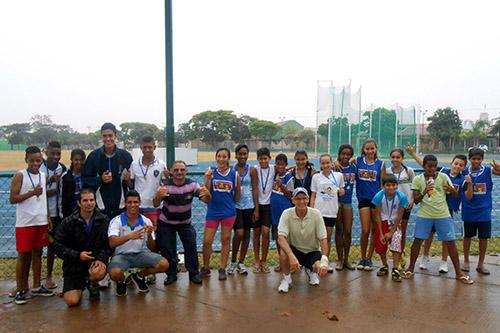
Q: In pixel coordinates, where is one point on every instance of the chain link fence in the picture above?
(8, 246)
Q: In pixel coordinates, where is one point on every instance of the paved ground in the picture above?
(361, 301)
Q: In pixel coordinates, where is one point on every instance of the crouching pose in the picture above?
(301, 234)
(81, 242)
(127, 233)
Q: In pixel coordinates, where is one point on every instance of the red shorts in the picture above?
(31, 238)
(153, 215)
(379, 247)
(227, 222)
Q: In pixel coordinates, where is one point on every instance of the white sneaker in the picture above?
(232, 267)
(242, 269)
(443, 268)
(313, 277)
(284, 285)
(105, 283)
(424, 262)
(330, 268)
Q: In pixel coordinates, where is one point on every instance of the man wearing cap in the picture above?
(302, 238)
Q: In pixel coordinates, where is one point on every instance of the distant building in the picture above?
(484, 116)
(467, 124)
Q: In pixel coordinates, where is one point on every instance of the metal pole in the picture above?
(169, 128)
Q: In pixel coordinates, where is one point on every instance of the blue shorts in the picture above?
(481, 229)
(125, 261)
(444, 228)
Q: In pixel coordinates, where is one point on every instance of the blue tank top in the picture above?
(246, 197)
(458, 181)
(368, 178)
(279, 202)
(222, 204)
(478, 209)
(349, 174)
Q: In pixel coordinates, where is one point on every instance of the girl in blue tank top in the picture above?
(224, 184)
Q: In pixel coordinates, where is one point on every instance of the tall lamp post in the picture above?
(169, 127)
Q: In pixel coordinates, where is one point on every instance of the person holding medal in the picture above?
(29, 192)
(327, 186)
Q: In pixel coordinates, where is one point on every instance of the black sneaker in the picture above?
(20, 298)
(222, 274)
(170, 279)
(121, 288)
(196, 279)
(94, 293)
(42, 291)
(140, 283)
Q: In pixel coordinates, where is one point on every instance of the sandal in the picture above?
(277, 269)
(396, 275)
(465, 279)
(349, 266)
(407, 274)
(265, 268)
(383, 270)
(465, 267)
(256, 269)
(482, 270)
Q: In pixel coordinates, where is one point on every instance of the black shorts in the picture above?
(243, 219)
(306, 259)
(74, 282)
(406, 214)
(481, 229)
(365, 203)
(56, 221)
(329, 221)
(264, 216)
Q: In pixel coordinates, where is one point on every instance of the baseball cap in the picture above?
(299, 190)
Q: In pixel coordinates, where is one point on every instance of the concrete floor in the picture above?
(362, 302)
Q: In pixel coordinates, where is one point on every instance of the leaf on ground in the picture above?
(285, 314)
(330, 316)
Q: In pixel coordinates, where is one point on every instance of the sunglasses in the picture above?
(180, 170)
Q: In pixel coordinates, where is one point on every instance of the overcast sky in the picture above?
(86, 62)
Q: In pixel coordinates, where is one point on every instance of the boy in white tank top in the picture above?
(28, 191)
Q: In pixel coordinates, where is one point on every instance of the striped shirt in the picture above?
(176, 207)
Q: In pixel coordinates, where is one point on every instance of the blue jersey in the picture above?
(246, 196)
(349, 174)
(279, 202)
(368, 178)
(478, 209)
(222, 204)
(458, 182)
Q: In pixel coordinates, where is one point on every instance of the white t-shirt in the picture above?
(389, 208)
(53, 200)
(326, 189)
(147, 179)
(119, 227)
(405, 178)
(266, 182)
(32, 211)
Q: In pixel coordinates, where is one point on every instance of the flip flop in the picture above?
(256, 269)
(465, 279)
(407, 274)
(482, 270)
(465, 268)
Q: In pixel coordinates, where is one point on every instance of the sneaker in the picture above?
(20, 297)
(171, 278)
(368, 265)
(140, 283)
(205, 272)
(94, 293)
(42, 291)
(151, 279)
(284, 286)
(313, 277)
(242, 269)
(277, 269)
(105, 283)
(396, 275)
(424, 262)
(121, 288)
(443, 268)
(361, 264)
(384, 270)
(349, 266)
(50, 284)
(330, 268)
(232, 267)
(196, 279)
(339, 265)
(222, 274)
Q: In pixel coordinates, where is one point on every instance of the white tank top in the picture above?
(32, 211)
(266, 183)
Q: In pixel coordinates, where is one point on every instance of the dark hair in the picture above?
(402, 153)
(365, 143)
(147, 139)
(226, 150)
(460, 157)
(108, 126)
(85, 190)
(132, 193)
(32, 150)
(309, 165)
(239, 147)
(389, 179)
(76, 152)
(345, 146)
(429, 158)
(476, 152)
(281, 158)
(54, 144)
(264, 151)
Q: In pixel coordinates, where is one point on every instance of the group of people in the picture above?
(111, 217)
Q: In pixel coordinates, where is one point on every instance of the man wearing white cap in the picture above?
(302, 238)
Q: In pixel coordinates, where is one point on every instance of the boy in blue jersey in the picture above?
(477, 206)
(390, 206)
(280, 196)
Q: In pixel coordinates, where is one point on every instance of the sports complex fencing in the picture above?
(8, 246)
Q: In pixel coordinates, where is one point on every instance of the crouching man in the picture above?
(301, 234)
(81, 242)
(128, 233)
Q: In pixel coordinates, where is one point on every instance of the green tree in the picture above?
(445, 126)
(43, 129)
(212, 127)
(323, 130)
(15, 134)
(479, 131)
(264, 130)
(240, 128)
(132, 132)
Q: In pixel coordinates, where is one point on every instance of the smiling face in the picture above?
(148, 149)
(475, 161)
(108, 138)
(34, 162)
(396, 158)
(77, 162)
(264, 161)
(430, 168)
(390, 188)
(326, 164)
(53, 155)
(457, 166)
(280, 167)
(242, 156)
(345, 156)
(300, 201)
(301, 161)
(370, 149)
(87, 202)
(179, 170)
(222, 159)
(132, 204)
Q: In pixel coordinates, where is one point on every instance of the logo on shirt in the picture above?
(156, 173)
(222, 185)
(479, 188)
(349, 177)
(368, 175)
